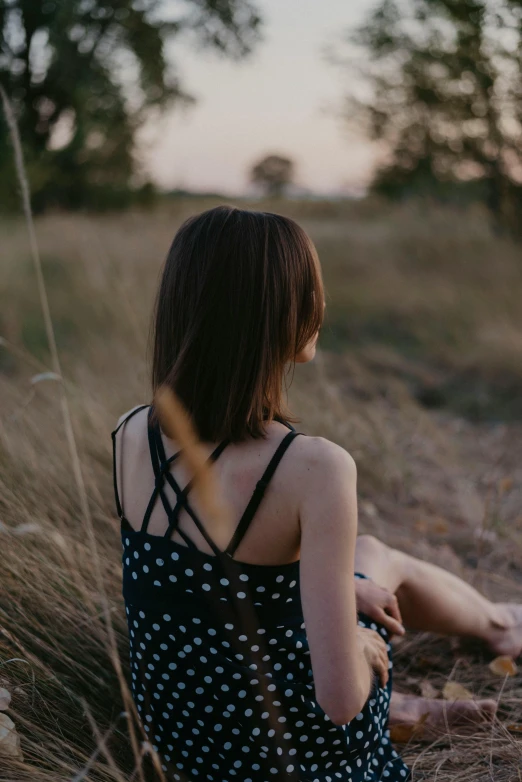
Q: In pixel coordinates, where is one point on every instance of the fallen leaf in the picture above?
(514, 728)
(453, 691)
(9, 738)
(506, 484)
(5, 698)
(503, 666)
(403, 732)
(427, 690)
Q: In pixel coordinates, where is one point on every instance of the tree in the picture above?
(84, 74)
(440, 88)
(274, 173)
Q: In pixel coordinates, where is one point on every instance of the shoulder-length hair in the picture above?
(240, 296)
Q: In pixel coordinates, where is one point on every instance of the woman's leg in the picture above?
(432, 599)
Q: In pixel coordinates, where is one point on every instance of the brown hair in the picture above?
(241, 294)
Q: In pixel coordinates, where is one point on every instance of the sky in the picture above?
(286, 98)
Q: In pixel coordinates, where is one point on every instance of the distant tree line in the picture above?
(83, 75)
(439, 84)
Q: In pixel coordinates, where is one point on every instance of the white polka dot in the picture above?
(189, 572)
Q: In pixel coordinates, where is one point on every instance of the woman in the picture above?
(248, 658)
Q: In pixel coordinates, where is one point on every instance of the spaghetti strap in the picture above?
(119, 508)
(161, 467)
(259, 493)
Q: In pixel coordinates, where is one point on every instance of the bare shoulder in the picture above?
(321, 469)
(322, 457)
(134, 418)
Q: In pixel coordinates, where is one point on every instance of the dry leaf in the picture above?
(403, 732)
(503, 666)
(505, 484)
(441, 527)
(9, 738)
(5, 698)
(427, 690)
(514, 728)
(453, 691)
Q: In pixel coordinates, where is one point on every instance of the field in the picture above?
(419, 376)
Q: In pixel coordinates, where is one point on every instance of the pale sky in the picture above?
(282, 99)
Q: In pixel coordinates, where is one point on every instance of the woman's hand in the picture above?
(379, 604)
(373, 647)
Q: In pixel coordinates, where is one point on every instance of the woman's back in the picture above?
(220, 660)
(273, 536)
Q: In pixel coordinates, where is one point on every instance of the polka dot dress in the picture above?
(221, 672)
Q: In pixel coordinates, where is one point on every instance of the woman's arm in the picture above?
(328, 517)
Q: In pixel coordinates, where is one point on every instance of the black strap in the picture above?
(182, 501)
(119, 508)
(259, 493)
(161, 465)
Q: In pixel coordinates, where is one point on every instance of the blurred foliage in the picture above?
(273, 173)
(84, 74)
(440, 85)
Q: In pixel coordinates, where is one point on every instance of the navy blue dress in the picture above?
(220, 663)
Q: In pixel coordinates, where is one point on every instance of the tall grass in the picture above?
(416, 306)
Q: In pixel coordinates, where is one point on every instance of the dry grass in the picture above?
(420, 305)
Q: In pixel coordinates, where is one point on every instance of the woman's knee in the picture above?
(381, 563)
(369, 545)
(371, 556)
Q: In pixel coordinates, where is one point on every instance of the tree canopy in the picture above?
(273, 173)
(82, 76)
(440, 87)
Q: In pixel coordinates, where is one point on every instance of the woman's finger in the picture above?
(390, 623)
(392, 606)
